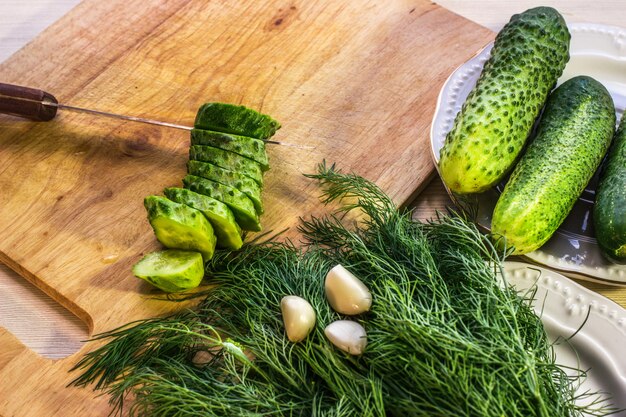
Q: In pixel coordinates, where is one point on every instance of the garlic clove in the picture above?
(298, 317)
(346, 293)
(347, 335)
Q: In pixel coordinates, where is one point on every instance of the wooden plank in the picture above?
(357, 81)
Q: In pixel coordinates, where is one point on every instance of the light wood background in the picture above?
(52, 331)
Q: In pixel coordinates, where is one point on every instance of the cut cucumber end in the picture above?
(227, 160)
(241, 206)
(178, 226)
(171, 270)
(242, 145)
(230, 178)
(225, 227)
(176, 235)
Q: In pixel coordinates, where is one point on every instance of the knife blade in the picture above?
(41, 106)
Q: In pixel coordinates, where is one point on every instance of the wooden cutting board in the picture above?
(358, 81)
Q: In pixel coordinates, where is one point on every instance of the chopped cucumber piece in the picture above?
(227, 160)
(178, 226)
(231, 118)
(242, 145)
(227, 231)
(227, 177)
(171, 270)
(238, 202)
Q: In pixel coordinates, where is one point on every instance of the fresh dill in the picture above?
(446, 335)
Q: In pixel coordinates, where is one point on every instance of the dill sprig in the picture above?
(446, 334)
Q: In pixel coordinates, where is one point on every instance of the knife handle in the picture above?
(27, 102)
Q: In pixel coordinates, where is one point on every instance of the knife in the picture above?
(41, 106)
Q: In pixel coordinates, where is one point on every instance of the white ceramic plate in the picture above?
(600, 52)
(599, 344)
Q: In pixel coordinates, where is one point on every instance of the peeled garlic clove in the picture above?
(346, 293)
(347, 335)
(298, 317)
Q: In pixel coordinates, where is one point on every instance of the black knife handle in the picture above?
(27, 102)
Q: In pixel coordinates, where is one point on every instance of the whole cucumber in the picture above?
(609, 211)
(573, 135)
(489, 132)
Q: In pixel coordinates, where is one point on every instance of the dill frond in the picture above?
(446, 335)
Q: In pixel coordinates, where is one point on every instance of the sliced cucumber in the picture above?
(178, 226)
(227, 177)
(242, 145)
(171, 270)
(240, 120)
(227, 231)
(227, 160)
(238, 202)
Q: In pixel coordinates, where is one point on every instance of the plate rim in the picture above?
(604, 321)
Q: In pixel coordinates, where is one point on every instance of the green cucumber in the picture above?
(225, 227)
(227, 177)
(227, 160)
(489, 132)
(573, 135)
(171, 270)
(238, 202)
(242, 145)
(178, 226)
(240, 120)
(609, 211)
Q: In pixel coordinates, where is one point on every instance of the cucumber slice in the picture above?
(227, 177)
(227, 160)
(240, 120)
(178, 226)
(238, 202)
(171, 270)
(242, 145)
(227, 231)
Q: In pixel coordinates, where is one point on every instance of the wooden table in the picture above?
(52, 331)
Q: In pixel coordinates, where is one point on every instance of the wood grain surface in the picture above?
(357, 81)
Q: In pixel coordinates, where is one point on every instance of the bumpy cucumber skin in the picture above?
(193, 231)
(225, 227)
(609, 211)
(489, 132)
(573, 135)
(240, 120)
(171, 270)
(227, 160)
(238, 202)
(242, 145)
(224, 176)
